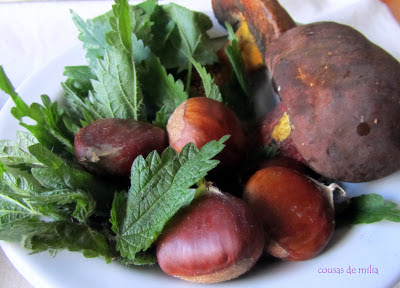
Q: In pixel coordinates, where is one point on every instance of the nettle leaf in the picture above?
(160, 186)
(117, 93)
(93, 31)
(162, 94)
(13, 207)
(371, 208)
(162, 116)
(79, 79)
(16, 153)
(21, 198)
(183, 32)
(49, 128)
(54, 203)
(108, 42)
(121, 25)
(92, 34)
(61, 235)
(142, 15)
(210, 88)
(7, 87)
(79, 108)
(57, 173)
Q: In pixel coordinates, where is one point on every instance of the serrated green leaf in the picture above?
(236, 92)
(63, 235)
(210, 88)
(13, 208)
(122, 11)
(15, 232)
(20, 198)
(8, 88)
(79, 108)
(79, 80)
(56, 200)
(58, 174)
(141, 52)
(117, 92)
(179, 31)
(162, 93)
(49, 128)
(162, 116)
(16, 153)
(160, 186)
(92, 34)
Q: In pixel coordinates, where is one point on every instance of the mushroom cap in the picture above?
(342, 94)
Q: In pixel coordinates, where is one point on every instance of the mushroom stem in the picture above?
(274, 18)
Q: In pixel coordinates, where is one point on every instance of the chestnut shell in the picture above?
(200, 120)
(215, 239)
(109, 146)
(298, 217)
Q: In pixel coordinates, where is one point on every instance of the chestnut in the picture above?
(109, 146)
(216, 238)
(200, 120)
(297, 213)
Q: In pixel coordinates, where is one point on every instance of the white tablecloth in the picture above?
(33, 33)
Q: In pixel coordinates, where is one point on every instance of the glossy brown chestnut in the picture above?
(109, 146)
(217, 238)
(200, 120)
(297, 214)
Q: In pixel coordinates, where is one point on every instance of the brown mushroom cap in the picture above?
(342, 94)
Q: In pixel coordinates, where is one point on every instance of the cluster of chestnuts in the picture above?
(219, 236)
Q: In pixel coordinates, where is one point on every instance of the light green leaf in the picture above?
(13, 208)
(162, 94)
(92, 34)
(58, 174)
(80, 108)
(183, 32)
(117, 92)
(61, 235)
(49, 128)
(16, 154)
(210, 88)
(20, 198)
(371, 208)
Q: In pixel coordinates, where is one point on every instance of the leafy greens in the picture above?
(47, 201)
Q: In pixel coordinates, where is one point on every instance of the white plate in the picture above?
(373, 247)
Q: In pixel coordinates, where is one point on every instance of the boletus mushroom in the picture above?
(339, 92)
